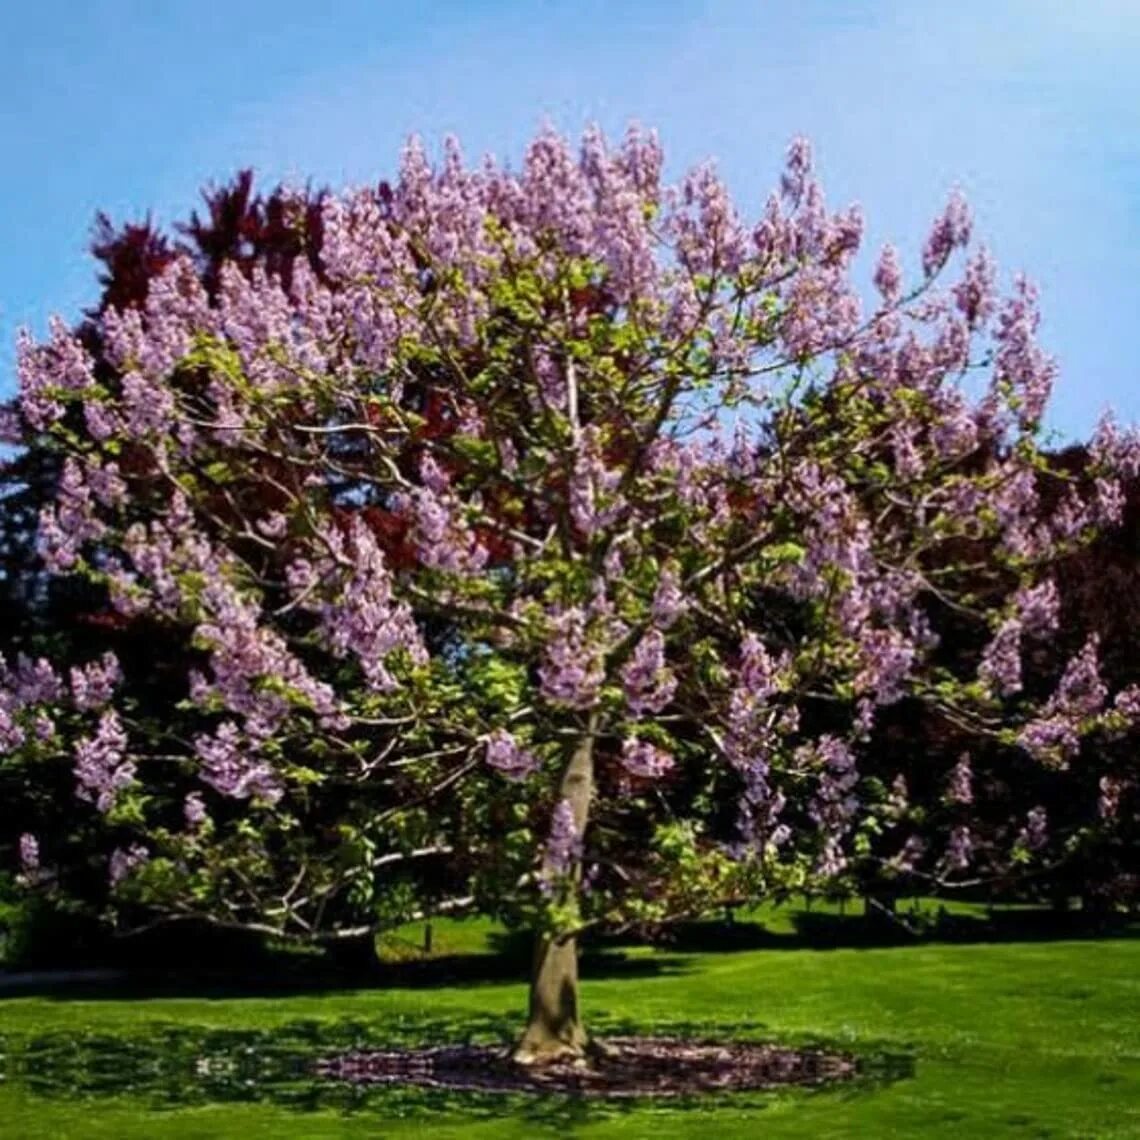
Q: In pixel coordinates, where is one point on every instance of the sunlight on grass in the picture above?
(1008, 1039)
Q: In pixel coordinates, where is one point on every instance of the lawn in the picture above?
(986, 1038)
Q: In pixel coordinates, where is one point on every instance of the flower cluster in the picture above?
(594, 504)
(668, 600)
(23, 691)
(102, 768)
(229, 765)
(506, 755)
(29, 854)
(364, 619)
(92, 685)
(571, 671)
(1035, 834)
(126, 860)
(960, 785)
(443, 540)
(959, 850)
(649, 685)
(1054, 736)
(564, 843)
(644, 760)
(245, 653)
(834, 804)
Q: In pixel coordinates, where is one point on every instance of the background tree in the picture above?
(555, 525)
(1036, 830)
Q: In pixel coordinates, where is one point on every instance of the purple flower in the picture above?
(32, 682)
(1035, 834)
(506, 756)
(12, 735)
(974, 294)
(668, 601)
(227, 766)
(1054, 736)
(274, 525)
(831, 860)
(564, 844)
(29, 854)
(1038, 608)
(912, 851)
(42, 370)
(1000, 667)
(106, 483)
(959, 788)
(194, 811)
(572, 671)
(102, 770)
(780, 835)
(92, 685)
(58, 548)
(759, 671)
(1110, 500)
(706, 232)
(243, 652)
(443, 540)
(593, 504)
(648, 684)
(1108, 803)
(640, 758)
(834, 804)
(864, 718)
(101, 422)
(550, 378)
(1081, 691)
(11, 425)
(123, 862)
(1018, 360)
(1050, 739)
(888, 275)
(888, 658)
(959, 850)
(434, 477)
(1114, 450)
(797, 168)
(950, 231)
(365, 620)
(1127, 701)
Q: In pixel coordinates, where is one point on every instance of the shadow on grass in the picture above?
(268, 976)
(166, 1067)
(250, 970)
(821, 930)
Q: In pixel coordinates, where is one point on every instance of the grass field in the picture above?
(1029, 1038)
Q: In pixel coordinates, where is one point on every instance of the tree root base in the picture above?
(616, 1067)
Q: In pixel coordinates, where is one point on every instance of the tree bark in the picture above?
(554, 1025)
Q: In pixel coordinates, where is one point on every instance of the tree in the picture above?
(1044, 831)
(545, 542)
(66, 617)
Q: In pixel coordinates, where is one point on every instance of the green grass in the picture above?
(1021, 1039)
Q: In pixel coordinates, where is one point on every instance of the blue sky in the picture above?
(1031, 106)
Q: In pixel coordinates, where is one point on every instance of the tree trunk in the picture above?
(554, 1026)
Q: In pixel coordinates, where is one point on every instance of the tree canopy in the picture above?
(547, 541)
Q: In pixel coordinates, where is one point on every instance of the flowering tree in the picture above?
(67, 617)
(1054, 829)
(553, 532)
